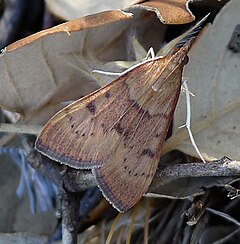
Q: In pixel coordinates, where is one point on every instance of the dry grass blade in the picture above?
(111, 232)
(224, 215)
(146, 226)
(131, 227)
(120, 236)
(227, 238)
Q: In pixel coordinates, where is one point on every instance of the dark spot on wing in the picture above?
(72, 125)
(126, 133)
(118, 128)
(148, 152)
(107, 94)
(91, 107)
(83, 134)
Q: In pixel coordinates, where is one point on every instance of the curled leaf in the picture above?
(45, 66)
(170, 11)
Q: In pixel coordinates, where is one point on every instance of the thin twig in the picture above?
(80, 180)
(70, 216)
(20, 128)
(222, 167)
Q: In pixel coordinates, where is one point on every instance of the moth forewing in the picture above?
(119, 130)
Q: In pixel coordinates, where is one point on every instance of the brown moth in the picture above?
(118, 131)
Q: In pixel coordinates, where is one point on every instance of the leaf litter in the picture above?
(213, 73)
(195, 112)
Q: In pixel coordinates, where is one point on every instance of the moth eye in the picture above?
(142, 174)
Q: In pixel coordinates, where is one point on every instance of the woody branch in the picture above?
(79, 180)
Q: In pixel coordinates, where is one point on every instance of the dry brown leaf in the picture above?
(170, 11)
(48, 65)
(79, 24)
(71, 9)
(213, 72)
(52, 66)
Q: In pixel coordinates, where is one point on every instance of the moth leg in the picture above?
(188, 119)
(185, 80)
(150, 54)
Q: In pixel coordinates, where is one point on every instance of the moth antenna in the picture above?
(125, 71)
(188, 37)
(167, 48)
(188, 120)
(106, 72)
(83, 68)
